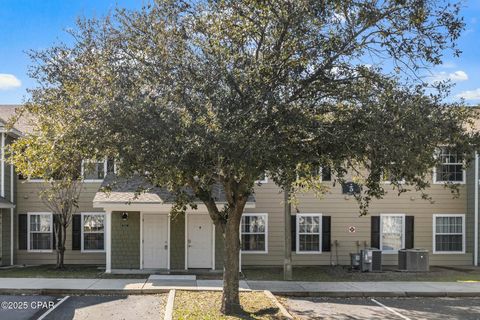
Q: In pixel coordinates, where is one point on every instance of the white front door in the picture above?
(155, 241)
(199, 241)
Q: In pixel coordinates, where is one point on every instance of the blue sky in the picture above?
(36, 24)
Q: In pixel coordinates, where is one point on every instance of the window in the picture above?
(309, 231)
(254, 230)
(392, 232)
(449, 233)
(93, 231)
(323, 173)
(450, 168)
(97, 170)
(326, 173)
(40, 231)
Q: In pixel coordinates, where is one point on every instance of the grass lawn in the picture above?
(206, 305)
(70, 271)
(343, 273)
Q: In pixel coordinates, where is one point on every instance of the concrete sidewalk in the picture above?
(159, 284)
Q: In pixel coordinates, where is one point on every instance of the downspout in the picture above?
(287, 262)
(475, 236)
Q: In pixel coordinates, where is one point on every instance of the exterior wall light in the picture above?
(125, 216)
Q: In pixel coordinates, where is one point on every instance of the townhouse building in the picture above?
(121, 231)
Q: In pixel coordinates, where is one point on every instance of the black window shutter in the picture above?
(22, 231)
(375, 232)
(326, 233)
(293, 232)
(54, 239)
(76, 232)
(409, 227)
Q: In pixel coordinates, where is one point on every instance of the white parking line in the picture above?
(54, 307)
(391, 310)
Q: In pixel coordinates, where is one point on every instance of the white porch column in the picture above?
(108, 249)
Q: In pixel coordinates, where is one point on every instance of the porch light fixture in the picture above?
(125, 216)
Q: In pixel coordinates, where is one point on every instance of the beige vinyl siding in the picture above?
(7, 172)
(28, 201)
(344, 213)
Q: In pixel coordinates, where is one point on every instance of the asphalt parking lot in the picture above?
(384, 308)
(36, 307)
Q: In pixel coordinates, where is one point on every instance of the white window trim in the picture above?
(390, 182)
(434, 175)
(402, 215)
(28, 231)
(83, 214)
(265, 215)
(434, 243)
(297, 233)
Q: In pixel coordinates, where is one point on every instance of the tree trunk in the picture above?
(230, 299)
(61, 237)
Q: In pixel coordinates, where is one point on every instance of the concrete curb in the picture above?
(282, 309)
(409, 294)
(169, 306)
(81, 291)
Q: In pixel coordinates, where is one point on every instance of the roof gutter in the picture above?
(13, 132)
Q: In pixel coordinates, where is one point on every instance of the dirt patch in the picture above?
(206, 305)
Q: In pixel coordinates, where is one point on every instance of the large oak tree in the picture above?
(193, 95)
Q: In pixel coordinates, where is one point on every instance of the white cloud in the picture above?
(470, 94)
(9, 81)
(456, 76)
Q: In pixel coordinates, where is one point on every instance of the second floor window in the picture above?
(450, 168)
(323, 173)
(97, 170)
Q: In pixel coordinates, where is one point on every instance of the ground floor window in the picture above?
(40, 231)
(93, 231)
(309, 231)
(254, 232)
(392, 231)
(449, 233)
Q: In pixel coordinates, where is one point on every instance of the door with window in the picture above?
(155, 241)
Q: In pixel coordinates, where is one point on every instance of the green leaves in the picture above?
(219, 92)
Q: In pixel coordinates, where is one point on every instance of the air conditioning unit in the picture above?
(370, 260)
(413, 260)
(355, 261)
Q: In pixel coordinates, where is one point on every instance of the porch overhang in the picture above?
(5, 204)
